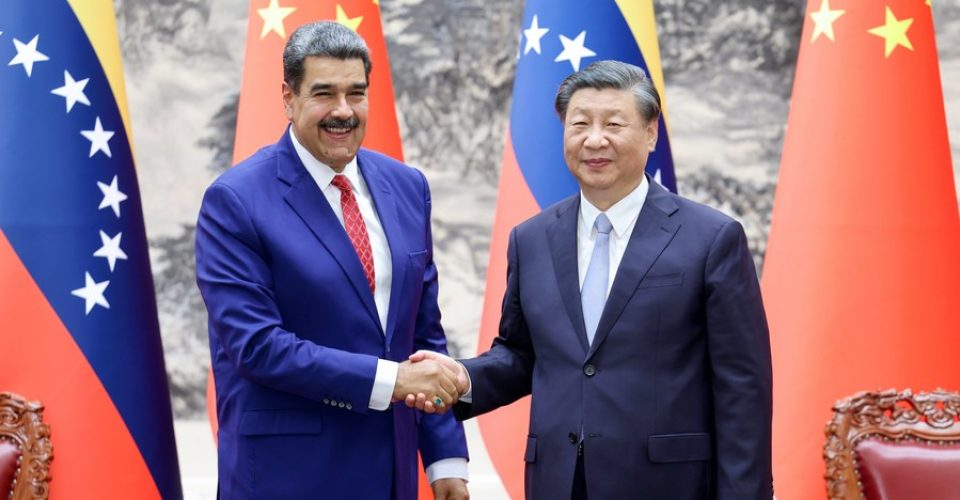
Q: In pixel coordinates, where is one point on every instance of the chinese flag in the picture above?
(861, 278)
(260, 117)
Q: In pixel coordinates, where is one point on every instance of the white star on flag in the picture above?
(110, 249)
(98, 138)
(92, 293)
(72, 91)
(574, 50)
(27, 54)
(534, 33)
(111, 196)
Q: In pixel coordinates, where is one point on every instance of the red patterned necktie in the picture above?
(356, 229)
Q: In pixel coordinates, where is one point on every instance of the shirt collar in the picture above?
(322, 174)
(621, 214)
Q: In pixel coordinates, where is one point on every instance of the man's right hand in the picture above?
(421, 400)
(430, 378)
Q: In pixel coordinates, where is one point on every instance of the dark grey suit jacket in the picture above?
(673, 398)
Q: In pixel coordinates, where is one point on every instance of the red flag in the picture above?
(260, 117)
(861, 276)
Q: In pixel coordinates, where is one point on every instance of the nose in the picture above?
(342, 109)
(595, 138)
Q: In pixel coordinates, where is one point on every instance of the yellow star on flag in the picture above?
(352, 23)
(823, 21)
(894, 33)
(273, 17)
(377, 2)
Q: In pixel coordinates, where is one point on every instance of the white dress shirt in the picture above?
(386, 376)
(623, 216)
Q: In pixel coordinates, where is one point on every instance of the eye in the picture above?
(614, 124)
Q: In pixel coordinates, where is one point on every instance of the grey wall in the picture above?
(728, 69)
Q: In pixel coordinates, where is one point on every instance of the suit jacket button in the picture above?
(349, 406)
(589, 370)
(341, 404)
(572, 437)
(326, 401)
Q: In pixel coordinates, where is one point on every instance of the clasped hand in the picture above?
(428, 378)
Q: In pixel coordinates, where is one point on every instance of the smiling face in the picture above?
(606, 143)
(328, 112)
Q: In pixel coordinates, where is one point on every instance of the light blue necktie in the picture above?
(593, 296)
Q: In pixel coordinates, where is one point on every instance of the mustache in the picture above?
(350, 123)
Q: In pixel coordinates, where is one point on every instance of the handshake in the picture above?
(430, 381)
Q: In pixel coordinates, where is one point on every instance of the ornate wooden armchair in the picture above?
(25, 449)
(891, 445)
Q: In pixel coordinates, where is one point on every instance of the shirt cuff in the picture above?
(466, 397)
(383, 384)
(446, 468)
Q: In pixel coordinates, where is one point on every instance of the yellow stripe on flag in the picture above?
(639, 16)
(99, 22)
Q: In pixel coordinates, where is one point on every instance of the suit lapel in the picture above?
(306, 199)
(652, 233)
(386, 207)
(562, 236)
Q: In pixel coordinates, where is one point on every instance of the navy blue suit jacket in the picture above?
(674, 395)
(295, 335)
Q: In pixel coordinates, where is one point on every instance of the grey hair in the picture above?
(321, 39)
(611, 75)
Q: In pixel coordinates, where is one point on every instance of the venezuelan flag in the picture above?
(558, 37)
(79, 319)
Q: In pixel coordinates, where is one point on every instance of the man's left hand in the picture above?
(451, 488)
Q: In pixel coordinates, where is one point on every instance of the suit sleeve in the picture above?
(236, 284)
(441, 436)
(739, 347)
(503, 374)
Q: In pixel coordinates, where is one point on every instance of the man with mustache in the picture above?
(315, 260)
(633, 317)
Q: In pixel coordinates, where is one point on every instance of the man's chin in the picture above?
(339, 157)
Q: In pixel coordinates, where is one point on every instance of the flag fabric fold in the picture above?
(861, 273)
(80, 327)
(556, 39)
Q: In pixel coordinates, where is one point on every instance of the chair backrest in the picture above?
(25, 449)
(890, 445)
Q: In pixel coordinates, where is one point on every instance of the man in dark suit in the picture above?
(315, 260)
(634, 318)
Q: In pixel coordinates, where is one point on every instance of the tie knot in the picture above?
(342, 183)
(603, 224)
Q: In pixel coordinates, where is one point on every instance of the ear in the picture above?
(652, 129)
(288, 96)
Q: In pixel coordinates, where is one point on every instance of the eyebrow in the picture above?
(595, 111)
(328, 86)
